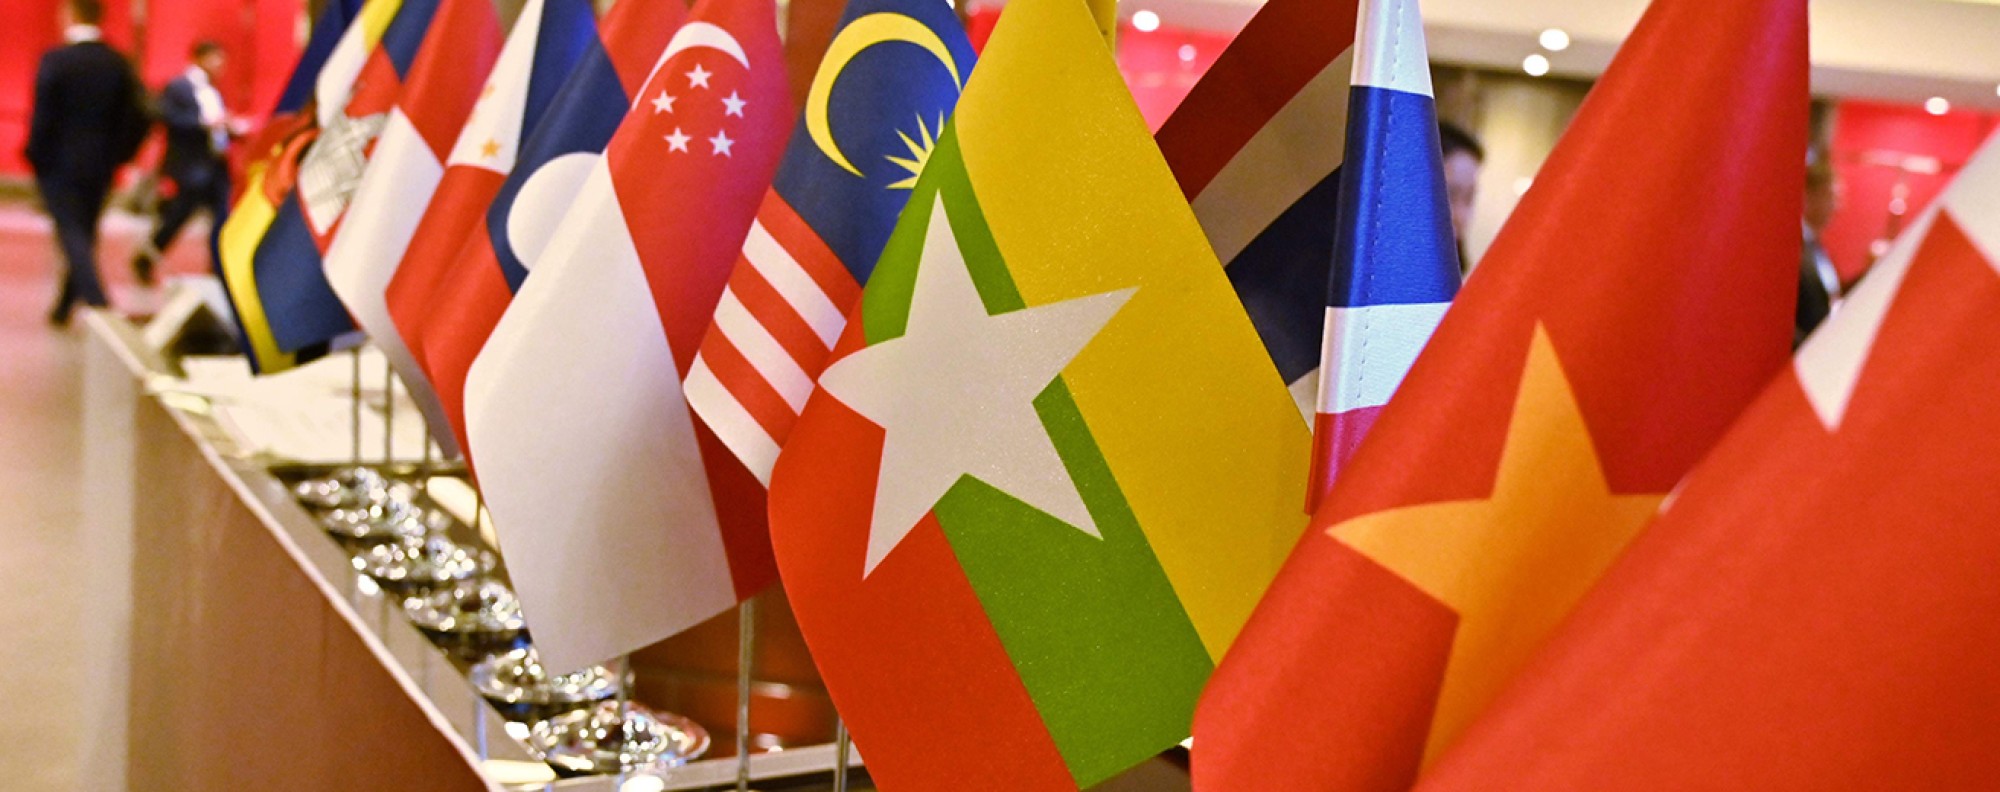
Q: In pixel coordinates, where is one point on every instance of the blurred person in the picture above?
(1819, 281)
(1463, 159)
(88, 120)
(198, 135)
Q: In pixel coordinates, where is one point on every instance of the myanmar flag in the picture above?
(1051, 467)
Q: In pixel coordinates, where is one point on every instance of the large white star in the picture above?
(664, 103)
(954, 395)
(698, 77)
(678, 141)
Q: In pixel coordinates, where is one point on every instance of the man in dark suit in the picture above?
(89, 119)
(198, 132)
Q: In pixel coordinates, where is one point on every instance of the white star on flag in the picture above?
(664, 103)
(954, 395)
(678, 141)
(733, 105)
(721, 142)
(698, 78)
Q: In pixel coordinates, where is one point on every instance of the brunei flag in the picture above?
(1815, 611)
(271, 245)
(1050, 467)
(1637, 301)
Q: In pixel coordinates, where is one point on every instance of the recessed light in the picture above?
(1146, 21)
(1536, 65)
(1555, 39)
(1187, 53)
(1937, 106)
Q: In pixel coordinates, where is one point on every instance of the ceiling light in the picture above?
(1937, 106)
(1146, 21)
(1187, 53)
(1536, 65)
(1555, 40)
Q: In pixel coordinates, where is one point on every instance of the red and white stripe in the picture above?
(785, 306)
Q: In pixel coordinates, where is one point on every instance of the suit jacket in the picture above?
(89, 116)
(192, 153)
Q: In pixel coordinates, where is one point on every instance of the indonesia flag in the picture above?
(1395, 266)
(457, 279)
(1257, 148)
(628, 498)
(404, 172)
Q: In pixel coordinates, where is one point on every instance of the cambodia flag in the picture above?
(1815, 611)
(1634, 305)
(453, 284)
(628, 498)
(1395, 265)
(405, 170)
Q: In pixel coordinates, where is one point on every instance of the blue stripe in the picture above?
(299, 304)
(1393, 242)
(569, 28)
(581, 119)
(1281, 278)
(406, 33)
(326, 33)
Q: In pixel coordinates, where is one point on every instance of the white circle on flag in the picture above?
(543, 200)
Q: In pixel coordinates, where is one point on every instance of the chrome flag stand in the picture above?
(746, 648)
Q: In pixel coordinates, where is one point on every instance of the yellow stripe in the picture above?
(376, 16)
(1185, 404)
(237, 245)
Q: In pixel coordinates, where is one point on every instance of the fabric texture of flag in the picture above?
(404, 172)
(1634, 305)
(892, 72)
(1051, 467)
(1395, 261)
(1815, 610)
(628, 498)
(1257, 148)
(269, 173)
(451, 289)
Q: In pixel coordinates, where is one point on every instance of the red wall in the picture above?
(1891, 157)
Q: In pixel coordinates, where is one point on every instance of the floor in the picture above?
(40, 465)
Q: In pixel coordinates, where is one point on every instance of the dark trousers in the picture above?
(76, 204)
(199, 189)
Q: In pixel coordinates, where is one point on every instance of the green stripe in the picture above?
(1093, 625)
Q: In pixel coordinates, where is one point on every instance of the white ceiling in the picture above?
(1903, 50)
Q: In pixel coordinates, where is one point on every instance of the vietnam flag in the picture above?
(1634, 305)
(1051, 466)
(404, 171)
(1816, 609)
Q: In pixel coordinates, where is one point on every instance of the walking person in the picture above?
(198, 134)
(89, 119)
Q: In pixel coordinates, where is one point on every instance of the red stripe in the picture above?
(475, 297)
(445, 79)
(1335, 438)
(1382, 643)
(908, 654)
(808, 250)
(1284, 47)
(457, 209)
(748, 387)
(740, 515)
(779, 317)
(633, 36)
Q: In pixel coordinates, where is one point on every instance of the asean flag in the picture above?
(404, 172)
(626, 498)
(495, 209)
(1815, 610)
(1636, 303)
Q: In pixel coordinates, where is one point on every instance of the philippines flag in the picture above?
(628, 498)
(1395, 265)
(405, 170)
(1257, 148)
(454, 285)
(876, 108)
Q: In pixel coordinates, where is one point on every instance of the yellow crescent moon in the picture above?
(868, 31)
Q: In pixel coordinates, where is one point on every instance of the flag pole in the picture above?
(843, 743)
(388, 412)
(746, 648)
(354, 400)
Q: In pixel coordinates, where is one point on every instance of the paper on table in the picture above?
(306, 414)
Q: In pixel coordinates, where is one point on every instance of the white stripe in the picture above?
(1295, 150)
(503, 101)
(1368, 351)
(793, 283)
(733, 424)
(765, 354)
(1389, 50)
(335, 84)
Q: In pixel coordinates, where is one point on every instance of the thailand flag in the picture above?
(876, 107)
(405, 170)
(454, 286)
(1395, 266)
(627, 498)
(1257, 148)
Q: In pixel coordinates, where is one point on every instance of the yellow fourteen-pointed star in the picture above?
(955, 395)
(1511, 565)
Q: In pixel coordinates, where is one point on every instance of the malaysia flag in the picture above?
(628, 498)
(455, 281)
(404, 172)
